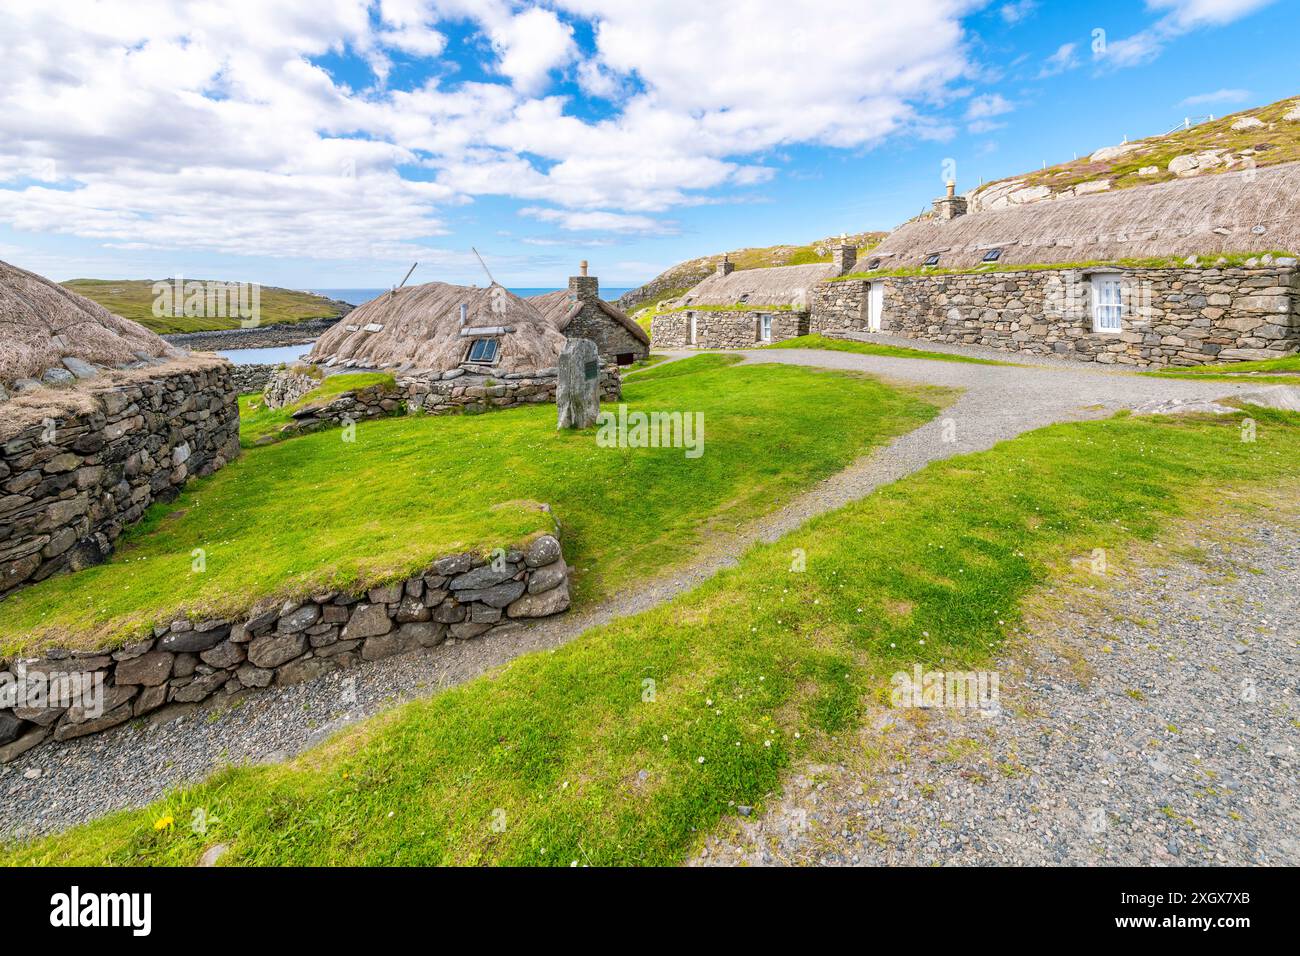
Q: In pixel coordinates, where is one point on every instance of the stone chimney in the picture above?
(582, 287)
(950, 206)
(726, 267)
(844, 256)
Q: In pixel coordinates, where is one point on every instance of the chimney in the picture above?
(726, 267)
(582, 287)
(844, 256)
(464, 313)
(950, 206)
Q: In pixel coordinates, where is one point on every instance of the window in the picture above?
(873, 264)
(765, 328)
(1107, 304)
(932, 259)
(483, 351)
(992, 255)
(625, 358)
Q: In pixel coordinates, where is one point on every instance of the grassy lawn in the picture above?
(871, 348)
(257, 421)
(649, 361)
(319, 513)
(1234, 371)
(573, 756)
(133, 299)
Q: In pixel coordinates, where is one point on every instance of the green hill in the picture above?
(673, 282)
(134, 299)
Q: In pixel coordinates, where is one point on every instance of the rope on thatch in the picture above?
(1184, 217)
(42, 323)
(778, 285)
(419, 327)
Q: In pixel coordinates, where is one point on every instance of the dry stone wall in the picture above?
(72, 482)
(460, 392)
(723, 329)
(1176, 317)
(459, 597)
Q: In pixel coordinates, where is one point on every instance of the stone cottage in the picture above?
(580, 313)
(99, 419)
(738, 309)
(451, 349)
(1185, 272)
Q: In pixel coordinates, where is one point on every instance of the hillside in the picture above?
(1263, 136)
(673, 282)
(134, 299)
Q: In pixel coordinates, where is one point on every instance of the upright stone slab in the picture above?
(577, 392)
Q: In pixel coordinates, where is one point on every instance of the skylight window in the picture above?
(873, 264)
(992, 255)
(931, 260)
(483, 351)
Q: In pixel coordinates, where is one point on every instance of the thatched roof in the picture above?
(779, 285)
(560, 308)
(419, 328)
(1252, 210)
(42, 323)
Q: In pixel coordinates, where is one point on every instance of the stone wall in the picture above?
(251, 378)
(373, 401)
(723, 329)
(611, 338)
(460, 597)
(72, 482)
(458, 392)
(1172, 316)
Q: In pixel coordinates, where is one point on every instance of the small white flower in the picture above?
(767, 743)
(699, 760)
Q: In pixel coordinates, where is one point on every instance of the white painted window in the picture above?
(765, 328)
(693, 329)
(1107, 304)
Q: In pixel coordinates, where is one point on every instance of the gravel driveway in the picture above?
(1153, 721)
(61, 784)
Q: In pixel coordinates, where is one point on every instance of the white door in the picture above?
(875, 306)
(765, 329)
(692, 329)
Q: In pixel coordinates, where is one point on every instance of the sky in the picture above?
(332, 143)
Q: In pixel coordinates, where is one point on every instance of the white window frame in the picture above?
(765, 328)
(1106, 295)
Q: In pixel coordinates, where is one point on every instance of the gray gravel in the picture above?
(1151, 722)
(61, 784)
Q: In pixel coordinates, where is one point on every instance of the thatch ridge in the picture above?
(778, 285)
(560, 308)
(1213, 214)
(42, 323)
(418, 328)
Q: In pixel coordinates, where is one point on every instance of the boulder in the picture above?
(386, 645)
(149, 669)
(484, 577)
(275, 649)
(550, 576)
(541, 605)
(368, 620)
(299, 620)
(499, 595)
(542, 551)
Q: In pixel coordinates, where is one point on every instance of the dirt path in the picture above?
(1149, 719)
(62, 784)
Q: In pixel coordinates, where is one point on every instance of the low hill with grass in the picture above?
(1262, 136)
(134, 299)
(685, 275)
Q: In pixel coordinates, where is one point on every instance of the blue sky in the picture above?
(330, 143)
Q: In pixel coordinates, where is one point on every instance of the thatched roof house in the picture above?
(580, 312)
(781, 286)
(1247, 211)
(48, 333)
(438, 327)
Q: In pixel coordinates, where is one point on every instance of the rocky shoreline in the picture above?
(262, 337)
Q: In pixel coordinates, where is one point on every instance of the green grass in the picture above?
(318, 512)
(649, 361)
(871, 348)
(572, 756)
(256, 422)
(1234, 371)
(134, 298)
(1207, 261)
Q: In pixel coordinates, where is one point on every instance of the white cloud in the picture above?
(1013, 13)
(1065, 58)
(1218, 96)
(1180, 17)
(209, 126)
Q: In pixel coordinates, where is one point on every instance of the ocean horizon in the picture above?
(360, 296)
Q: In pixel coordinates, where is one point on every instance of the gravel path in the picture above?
(58, 785)
(1150, 722)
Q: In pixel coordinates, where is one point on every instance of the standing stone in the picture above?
(577, 392)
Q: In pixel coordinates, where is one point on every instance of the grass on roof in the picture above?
(871, 348)
(318, 512)
(257, 422)
(628, 745)
(1215, 260)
